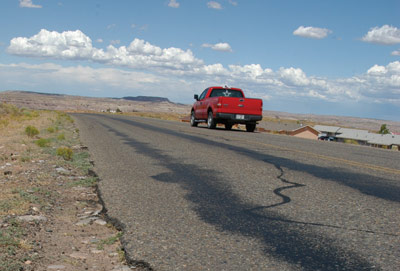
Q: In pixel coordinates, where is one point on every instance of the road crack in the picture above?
(278, 191)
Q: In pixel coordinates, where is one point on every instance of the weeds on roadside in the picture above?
(109, 241)
(43, 142)
(87, 182)
(65, 153)
(10, 246)
(81, 161)
(31, 131)
(9, 113)
(14, 249)
(61, 137)
(67, 117)
(26, 196)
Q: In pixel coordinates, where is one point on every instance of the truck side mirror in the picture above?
(196, 97)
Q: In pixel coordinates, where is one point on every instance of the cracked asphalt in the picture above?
(199, 199)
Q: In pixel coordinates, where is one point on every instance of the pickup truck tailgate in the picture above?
(245, 106)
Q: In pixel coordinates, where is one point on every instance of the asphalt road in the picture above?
(199, 199)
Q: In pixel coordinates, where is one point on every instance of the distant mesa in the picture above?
(147, 99)
(40, 93)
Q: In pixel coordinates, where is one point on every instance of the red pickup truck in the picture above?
(228, 106)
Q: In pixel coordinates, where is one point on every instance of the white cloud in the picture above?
(111, 26)
(106, 82)
(294, 76)
(316, 94)
(385, 77)
(115, 42)
(76, 45)
(233, 3)
(222, 47)
(386, 35)
(171, 66)
(28, 4)
(377, 70)
(312, 32)
(100, 40)
(396, 53)
(65, 45)
(214, 5)
(173, 4)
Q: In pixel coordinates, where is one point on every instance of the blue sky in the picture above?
(322, 57)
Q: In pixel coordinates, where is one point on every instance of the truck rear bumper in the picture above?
(237, 118)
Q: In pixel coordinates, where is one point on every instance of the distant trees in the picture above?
(384, 130)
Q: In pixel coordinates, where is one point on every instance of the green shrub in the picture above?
(31, 131)
(65, 153)
(351, 141)
(62, 115)
(4, 122)
(43, 142)
(61, 137)
(50, 130)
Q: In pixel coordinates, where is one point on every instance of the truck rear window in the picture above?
(226, 93)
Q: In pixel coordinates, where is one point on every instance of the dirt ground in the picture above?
(51, 217)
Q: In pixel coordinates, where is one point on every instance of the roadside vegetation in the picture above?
(384, 130)
(32, 145)
(157, 115)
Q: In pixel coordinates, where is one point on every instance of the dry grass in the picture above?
(19, 192)
(157, 115)
(30, 184)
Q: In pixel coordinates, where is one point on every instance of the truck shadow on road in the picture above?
(215, 203)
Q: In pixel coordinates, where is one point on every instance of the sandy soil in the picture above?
(51, 217)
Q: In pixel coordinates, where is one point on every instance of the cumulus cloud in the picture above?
(65, 45)
(386, 35)
(385, 76)
(377, 70)
(76, 45)
(312, 32)
(293, 76)
(214, 5)
(28, 4)
(173, 4)
(396, 53)
(173, 66)
(222, 47)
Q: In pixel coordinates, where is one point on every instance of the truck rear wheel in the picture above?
(211, 124)
(250, 127)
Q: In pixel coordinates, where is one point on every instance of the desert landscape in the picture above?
(272, 120)
(51, 215)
